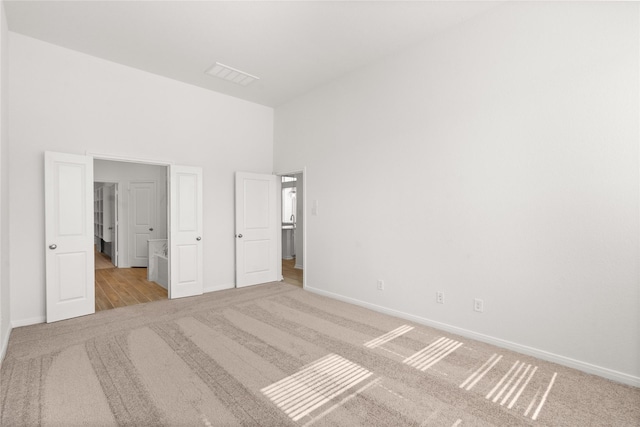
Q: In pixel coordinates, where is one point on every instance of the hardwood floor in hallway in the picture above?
(120, 287)
(101, 260)
(291, 275)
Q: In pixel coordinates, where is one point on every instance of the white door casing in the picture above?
(185, 239)
(69, 258)
(257, 228)
(142, 221)
(114, 224)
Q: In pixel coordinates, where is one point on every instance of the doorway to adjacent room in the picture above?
(292, 218)
(130, 233)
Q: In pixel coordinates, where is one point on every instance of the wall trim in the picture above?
(610, 374)
(127, 158)
(43, 319)
(28, 322)
(4, 345)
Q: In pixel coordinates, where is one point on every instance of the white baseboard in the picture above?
(27, 322)
(4, 345)
(298, 266)
(610, 374)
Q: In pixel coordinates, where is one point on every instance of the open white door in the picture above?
(185, 240)
(69, 236)
(257, 227)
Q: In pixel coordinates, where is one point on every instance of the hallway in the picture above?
(120, 287)
(291, 275)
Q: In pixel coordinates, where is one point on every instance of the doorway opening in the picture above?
(292, 236)
(130, 233)
(70, 231)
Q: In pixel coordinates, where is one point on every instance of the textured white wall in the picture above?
(5, 306)
(498, 161)
(61, 100)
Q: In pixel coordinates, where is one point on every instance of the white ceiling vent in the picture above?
(231, 74)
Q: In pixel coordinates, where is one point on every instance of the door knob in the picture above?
(239, 236)
(52, 247)
(198, 238)
(151, 229)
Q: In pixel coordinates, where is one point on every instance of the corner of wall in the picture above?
(5, 344)
(5, 303)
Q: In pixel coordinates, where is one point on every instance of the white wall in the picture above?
(124, 173)
(497, 161)
(61, 100)
(5, 307)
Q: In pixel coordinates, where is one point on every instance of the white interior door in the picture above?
(69, 236)
(142, 221)
(257, 228)
(114, 224)
(185, 239)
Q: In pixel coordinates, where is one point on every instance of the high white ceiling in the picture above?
(293, 46)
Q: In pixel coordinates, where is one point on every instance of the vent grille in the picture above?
(231, 74)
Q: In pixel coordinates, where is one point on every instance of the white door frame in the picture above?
(305, 256)
(127, 159)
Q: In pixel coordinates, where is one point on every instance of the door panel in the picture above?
(188, 263)
(257, 227)
(70, 268)
(185, 245)
(69, 236)
(141, 246)
(257, 256)
(142, 225)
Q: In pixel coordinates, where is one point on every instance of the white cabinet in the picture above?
(288, 247)
(102, 213)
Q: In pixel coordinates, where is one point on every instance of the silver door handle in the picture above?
(52, 247)
(151, 229)
(198, 238)
(239, 236)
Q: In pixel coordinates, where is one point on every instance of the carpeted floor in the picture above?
(276, 355)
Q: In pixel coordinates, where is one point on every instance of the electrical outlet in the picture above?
(478, 305)
(440, 297)
(381, 285)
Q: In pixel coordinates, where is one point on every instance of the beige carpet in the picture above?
(275, 355)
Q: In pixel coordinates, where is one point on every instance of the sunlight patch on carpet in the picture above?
(432, 354)
(383, 339)
(317, 384)
(511, 385)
